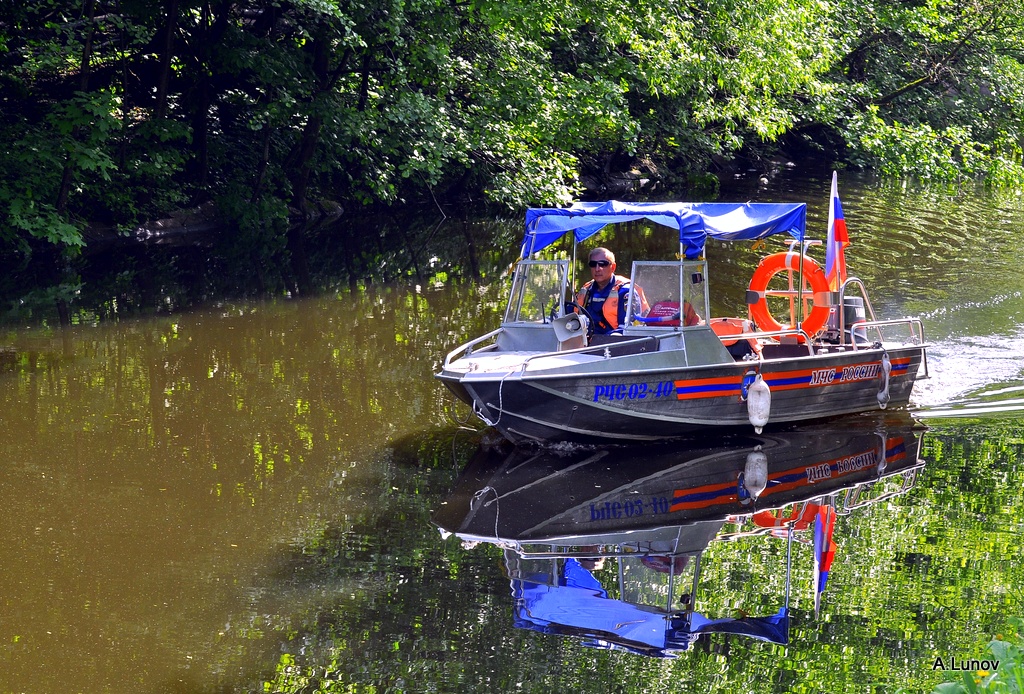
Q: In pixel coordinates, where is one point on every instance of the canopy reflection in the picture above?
(565, 518)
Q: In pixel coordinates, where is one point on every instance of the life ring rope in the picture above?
(819, 292)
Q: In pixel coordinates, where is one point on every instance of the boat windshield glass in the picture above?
(644, 577)
(668, 294)
(658, 581)
(538, 291)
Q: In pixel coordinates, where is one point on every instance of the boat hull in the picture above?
(627, 400)
(605, 495)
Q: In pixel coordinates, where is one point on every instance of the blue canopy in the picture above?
(580, 606)
(774, 628)
(585, 612)
(727, 221)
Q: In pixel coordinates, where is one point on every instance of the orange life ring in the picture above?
(800, 516)
(812, 272)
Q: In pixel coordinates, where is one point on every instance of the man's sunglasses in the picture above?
(599, 263)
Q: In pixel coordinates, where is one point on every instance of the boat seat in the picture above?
(648, 344)
(773, 351)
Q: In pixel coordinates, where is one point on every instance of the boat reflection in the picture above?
(568, 520)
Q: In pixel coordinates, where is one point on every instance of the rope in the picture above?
(501, 399)
(455, 413)
(478, 500)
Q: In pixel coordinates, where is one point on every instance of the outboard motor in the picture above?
(853, 312)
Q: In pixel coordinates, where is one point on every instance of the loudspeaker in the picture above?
(569, 326)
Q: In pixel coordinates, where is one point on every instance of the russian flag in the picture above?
(824, 550)
(835, 261)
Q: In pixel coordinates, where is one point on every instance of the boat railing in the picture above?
(737, 535)
(871, 322)
(914, 325)
(597, 348)
(620, 552)
(540, 549)
(853, 500)
(916, 329)
(468, 346)
(800, 336)
(849, 281)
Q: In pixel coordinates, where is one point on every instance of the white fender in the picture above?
(755, 473)
(759, 403)
(883, 392)
(880, 463)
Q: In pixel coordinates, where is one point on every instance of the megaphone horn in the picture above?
(569, 326)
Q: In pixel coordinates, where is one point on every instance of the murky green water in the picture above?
(240, 499)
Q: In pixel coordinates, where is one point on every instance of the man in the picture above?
(604, 297)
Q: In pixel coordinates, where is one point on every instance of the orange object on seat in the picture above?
(726, 327)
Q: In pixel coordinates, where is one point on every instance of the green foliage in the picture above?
(1008, 678)
(422, 100)
(72, 139)
(932, 89)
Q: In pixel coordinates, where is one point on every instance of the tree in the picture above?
(119, 111)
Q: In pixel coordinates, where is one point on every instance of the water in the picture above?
(241, 498)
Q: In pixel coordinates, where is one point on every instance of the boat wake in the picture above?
(974, 375)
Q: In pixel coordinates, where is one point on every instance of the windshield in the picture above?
(538, 291)
(668, 294)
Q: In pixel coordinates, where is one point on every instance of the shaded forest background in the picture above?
(250, 115)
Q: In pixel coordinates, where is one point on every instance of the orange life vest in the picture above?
(610, 307)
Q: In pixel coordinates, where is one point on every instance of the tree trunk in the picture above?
(164, 79)
(261, 170)
(301, 157)
(303, 162)
(211, 34)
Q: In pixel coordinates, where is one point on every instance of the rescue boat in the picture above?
(544, 375)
